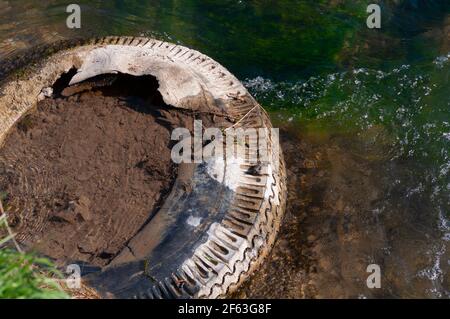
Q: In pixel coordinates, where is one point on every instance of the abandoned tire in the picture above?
(221, 217)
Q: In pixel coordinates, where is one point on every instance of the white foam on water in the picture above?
(434, 273)
(446, 136)
(259, 83)
(441, 60)
(444, 226)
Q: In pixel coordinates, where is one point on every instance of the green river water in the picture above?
(364, 116)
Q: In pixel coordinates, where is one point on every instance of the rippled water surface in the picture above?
(365, 120)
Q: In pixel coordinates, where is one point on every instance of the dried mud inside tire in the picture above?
(85, 170)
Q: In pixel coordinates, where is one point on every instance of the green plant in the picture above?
(24, 275)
